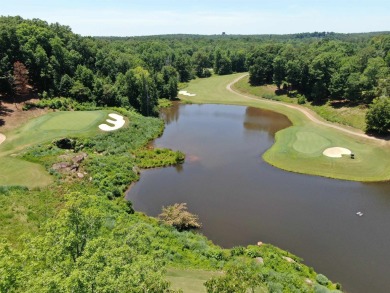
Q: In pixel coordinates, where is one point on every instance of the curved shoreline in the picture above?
(305, 111)
(371, 154)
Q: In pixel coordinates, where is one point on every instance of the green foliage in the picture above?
(158, 158)
(378, 116)
(240, 276)
(322, 280)
(301, 99)
(164, 103)
(59, 103)
(178, 216)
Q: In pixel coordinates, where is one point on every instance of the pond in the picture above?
(241, 200)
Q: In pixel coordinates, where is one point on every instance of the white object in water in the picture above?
(359, 214)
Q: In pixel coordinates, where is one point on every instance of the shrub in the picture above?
(179, 217)
(322, 280)
(301, 99)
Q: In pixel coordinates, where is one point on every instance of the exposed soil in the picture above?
(13, 116)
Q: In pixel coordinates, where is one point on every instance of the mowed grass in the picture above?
(351, 116)
(192, 281)
(299, 147)
(15, 171)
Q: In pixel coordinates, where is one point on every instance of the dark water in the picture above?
(241, 200)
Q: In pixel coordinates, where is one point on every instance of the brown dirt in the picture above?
(13, 116)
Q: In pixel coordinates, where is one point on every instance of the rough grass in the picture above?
(371, 162)
(23, 211)
(15, 171)
(351, 116)
(191, 281)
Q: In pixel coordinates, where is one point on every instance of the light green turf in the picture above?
(191, 281)
(310, 142)
(372, 157)
(15, 171)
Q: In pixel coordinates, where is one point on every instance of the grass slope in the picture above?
(351, 116)
(15, 171)
(289, 151)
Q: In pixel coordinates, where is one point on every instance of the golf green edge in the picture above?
(16, 171)
(370, 163)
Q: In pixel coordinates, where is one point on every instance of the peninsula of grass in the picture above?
(299, 148)
(16, 171)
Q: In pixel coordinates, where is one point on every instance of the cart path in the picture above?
(2, 138)
(305, 111)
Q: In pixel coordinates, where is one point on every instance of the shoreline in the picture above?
(370, 163)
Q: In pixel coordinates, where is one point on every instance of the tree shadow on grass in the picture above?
(382, 136)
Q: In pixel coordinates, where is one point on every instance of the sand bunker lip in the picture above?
(185, 93)
(118, 122)
(336, 152)
(2, 138)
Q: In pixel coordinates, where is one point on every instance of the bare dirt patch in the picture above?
(13, 116)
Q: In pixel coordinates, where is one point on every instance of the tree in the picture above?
(279, 71)
(178, 216)
(378, 116)
(20, 79)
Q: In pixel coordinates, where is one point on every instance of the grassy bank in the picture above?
(351, 116)
(371, 156)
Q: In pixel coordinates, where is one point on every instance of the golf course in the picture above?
(16, 171)
(300, 148)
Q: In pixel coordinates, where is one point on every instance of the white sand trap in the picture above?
(118, 122)
(185, 93)
(336, 152)
(2, 138)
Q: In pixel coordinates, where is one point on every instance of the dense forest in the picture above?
(80, 235)
(135, 72)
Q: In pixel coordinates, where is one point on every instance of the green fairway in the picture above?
(18, 172)
(15, 171)
(299, 148)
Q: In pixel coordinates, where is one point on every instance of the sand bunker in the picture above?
(2, 138)
(185, 93)
(336, 152)
(118, 122)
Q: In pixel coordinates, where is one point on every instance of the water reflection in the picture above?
(241, 200)
(263, 120)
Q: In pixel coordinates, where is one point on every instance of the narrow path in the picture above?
(302, 110)
(2, 138)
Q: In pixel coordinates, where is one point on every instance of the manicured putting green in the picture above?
(51, 126)
(310, 142)
(72, 121)
(15, 171)
(299, 148)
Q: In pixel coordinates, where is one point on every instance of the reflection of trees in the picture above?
(264, 120)
(170, 114)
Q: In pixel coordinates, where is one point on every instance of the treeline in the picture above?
(135, 72)
(356, 71)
